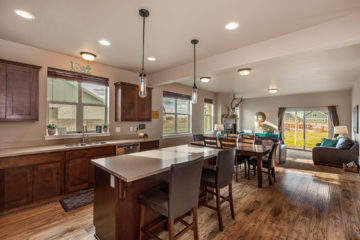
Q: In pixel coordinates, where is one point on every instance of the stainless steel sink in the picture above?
(85, 144)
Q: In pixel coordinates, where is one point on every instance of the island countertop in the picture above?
(135, 166)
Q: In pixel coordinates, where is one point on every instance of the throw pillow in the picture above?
(328, 142)
(344, 143)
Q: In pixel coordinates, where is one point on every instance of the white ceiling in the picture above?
(329, 70)
(73, 26)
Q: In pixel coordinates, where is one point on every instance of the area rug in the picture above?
(77, 201)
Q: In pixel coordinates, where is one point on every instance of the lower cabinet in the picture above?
(47, 180)
(77, 174)
(144, 146)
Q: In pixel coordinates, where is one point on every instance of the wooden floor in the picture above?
(307, 202)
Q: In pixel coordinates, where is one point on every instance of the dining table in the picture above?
(246, 149)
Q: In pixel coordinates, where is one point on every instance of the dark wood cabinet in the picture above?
(47, 180)
(17, 186)
(76, 174)
(144, 146)
(21, 91)
(129, 106)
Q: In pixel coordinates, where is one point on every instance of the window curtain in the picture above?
(281, 114)
(334, 118)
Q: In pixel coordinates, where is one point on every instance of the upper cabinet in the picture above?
(129, 106)
(19, 88)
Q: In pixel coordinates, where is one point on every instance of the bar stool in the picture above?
(217, 179)
(174, 200)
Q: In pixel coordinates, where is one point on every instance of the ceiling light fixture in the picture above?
(244, 71)
(152, 59)
(194, 92)
(142, 83)
(24, 14)
(273, 90)
(88, 56)
(205, 79)
(104, 42)
(232, 25)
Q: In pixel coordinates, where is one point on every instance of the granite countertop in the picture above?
(11, 152)
(135, 166)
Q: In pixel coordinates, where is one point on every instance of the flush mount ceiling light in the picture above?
(24, 14)
(273, 90)
(205, 79)
(152, 59)
(244, 71)
(142, 78)
(104, 42)
(232, 26)
(88, 56)
(194, 92)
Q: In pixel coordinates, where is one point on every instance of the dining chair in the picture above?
(233, 135)
(218, 179)
(198, 137)
(246, 139)
(210, 142)
(268, 163)
(174, 200)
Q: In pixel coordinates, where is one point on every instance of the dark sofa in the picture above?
(335, 157)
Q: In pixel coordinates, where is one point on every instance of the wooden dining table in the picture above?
(249, 150)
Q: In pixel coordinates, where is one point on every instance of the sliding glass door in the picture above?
(303, 129)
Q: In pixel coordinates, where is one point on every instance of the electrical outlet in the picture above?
(117, 129)
(112, 181)
(131, 129)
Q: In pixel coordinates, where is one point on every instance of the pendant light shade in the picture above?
(142, 77)
(194, 89)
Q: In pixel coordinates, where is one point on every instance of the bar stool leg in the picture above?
(142, 216)
(236, 171)
(195, 220)
(171, 229)
(218, 210)
(269, 176)
(231, 202)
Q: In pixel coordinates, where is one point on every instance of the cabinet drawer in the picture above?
(91, 152)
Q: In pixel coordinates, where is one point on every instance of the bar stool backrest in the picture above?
(184, 185)
(224, 167)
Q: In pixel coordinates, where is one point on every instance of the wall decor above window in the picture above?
(77, 67)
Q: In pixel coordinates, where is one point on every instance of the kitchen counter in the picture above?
(11, 152)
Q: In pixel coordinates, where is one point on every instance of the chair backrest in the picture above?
(272, 154)
(184, 185)
(224, 167)
(198, 137)
(246, 139)
(228, 142)
(210, 141)
(232, 135)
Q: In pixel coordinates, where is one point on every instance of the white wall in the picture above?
(355, 95)
(270, 105)
(17, 134)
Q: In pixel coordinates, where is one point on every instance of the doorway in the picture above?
(304, 128)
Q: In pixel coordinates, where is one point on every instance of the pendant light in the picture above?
(194, 90)
(142, 83)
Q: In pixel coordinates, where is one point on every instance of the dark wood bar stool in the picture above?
(268, 163)
(210, 142)
(174, 200)
(217, 179)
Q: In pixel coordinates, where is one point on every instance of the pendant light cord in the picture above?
(194, 65)
(143, 47)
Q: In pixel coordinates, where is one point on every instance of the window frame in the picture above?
(177, 97)
(209, 101)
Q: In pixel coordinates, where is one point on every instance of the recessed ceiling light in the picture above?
(232, 25)
(205, 79)
(244, 71)
(152, 59)
(88, 56)
(24, 14)
(104, 42)
(273, 90)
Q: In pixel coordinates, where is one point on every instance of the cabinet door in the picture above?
(145, 146)
(17, 186)
(2, 90)
(76, 174)
(47, 180)
(129, 96)
(145, 107)
(21, 93)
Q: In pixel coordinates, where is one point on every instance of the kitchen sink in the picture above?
(85, 144)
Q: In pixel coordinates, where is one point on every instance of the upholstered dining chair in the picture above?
(198, 137)
(231, 143)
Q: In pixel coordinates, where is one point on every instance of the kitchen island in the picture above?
(119, 180)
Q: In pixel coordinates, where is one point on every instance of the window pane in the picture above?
(62, 90)
(183, 106)
(169, 105)
(93, 93)
(63, 115)
(182, 123)
(93, 116)
(207, 108)
(168, 123)
(207, 123)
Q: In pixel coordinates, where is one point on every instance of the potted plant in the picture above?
(105, 127)
(51, 129)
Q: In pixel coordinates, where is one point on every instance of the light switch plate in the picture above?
(131, 129)
(117, 129)
(112, 181)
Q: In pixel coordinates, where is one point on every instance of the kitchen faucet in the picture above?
(85, 135)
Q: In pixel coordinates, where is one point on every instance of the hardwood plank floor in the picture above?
(306, 202)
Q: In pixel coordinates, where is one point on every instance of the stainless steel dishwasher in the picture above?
(127, 148)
